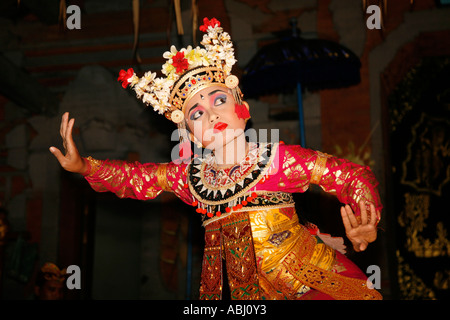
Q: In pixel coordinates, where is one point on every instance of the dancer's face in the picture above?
(212, 116)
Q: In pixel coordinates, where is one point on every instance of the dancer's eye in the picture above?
(196, 115)
(219, 100)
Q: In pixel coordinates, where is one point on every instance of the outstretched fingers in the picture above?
(374, 215)
(65, 131)
(62, 132)
(371, 217)
(69, 143)
(360, 230)
(363, 210)
(345, 219)
(348, 225)
(349, 217)
(63, 125)
(70, 160)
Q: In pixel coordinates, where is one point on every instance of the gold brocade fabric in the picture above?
(276, 233)
(279, 259)
(291, 261)
(335, 285)
(93, 165)
(319, 168)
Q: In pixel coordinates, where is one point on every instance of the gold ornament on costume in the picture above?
(177, 116)
(231, 81)
(186, 71)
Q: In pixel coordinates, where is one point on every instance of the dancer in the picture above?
(242, 189)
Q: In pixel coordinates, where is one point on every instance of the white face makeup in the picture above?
(210, 115)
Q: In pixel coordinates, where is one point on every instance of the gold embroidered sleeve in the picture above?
(136, 180)
(348, 181)
(296, 164)
(351, 183)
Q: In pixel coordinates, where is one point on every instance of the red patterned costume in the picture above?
(250, 219)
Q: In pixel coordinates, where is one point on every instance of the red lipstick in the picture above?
(220, 126)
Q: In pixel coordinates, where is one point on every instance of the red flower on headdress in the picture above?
(241, 111)
(209, 23)
(180, 62)
(124, 76)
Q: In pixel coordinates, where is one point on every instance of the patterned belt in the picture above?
(258, 200)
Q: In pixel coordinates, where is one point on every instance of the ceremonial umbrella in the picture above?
(293, 62)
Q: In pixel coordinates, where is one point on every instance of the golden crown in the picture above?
(186, 72)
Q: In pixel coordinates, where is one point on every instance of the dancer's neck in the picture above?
(232, 153)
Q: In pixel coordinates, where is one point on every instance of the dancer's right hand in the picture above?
(72, 160)
(362, 232)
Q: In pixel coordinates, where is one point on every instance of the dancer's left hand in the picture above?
(363, 230)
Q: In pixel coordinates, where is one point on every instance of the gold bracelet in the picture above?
(161, 176)
(319, 167)
(93, 166)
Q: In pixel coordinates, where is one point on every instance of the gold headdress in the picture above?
(186, 72)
